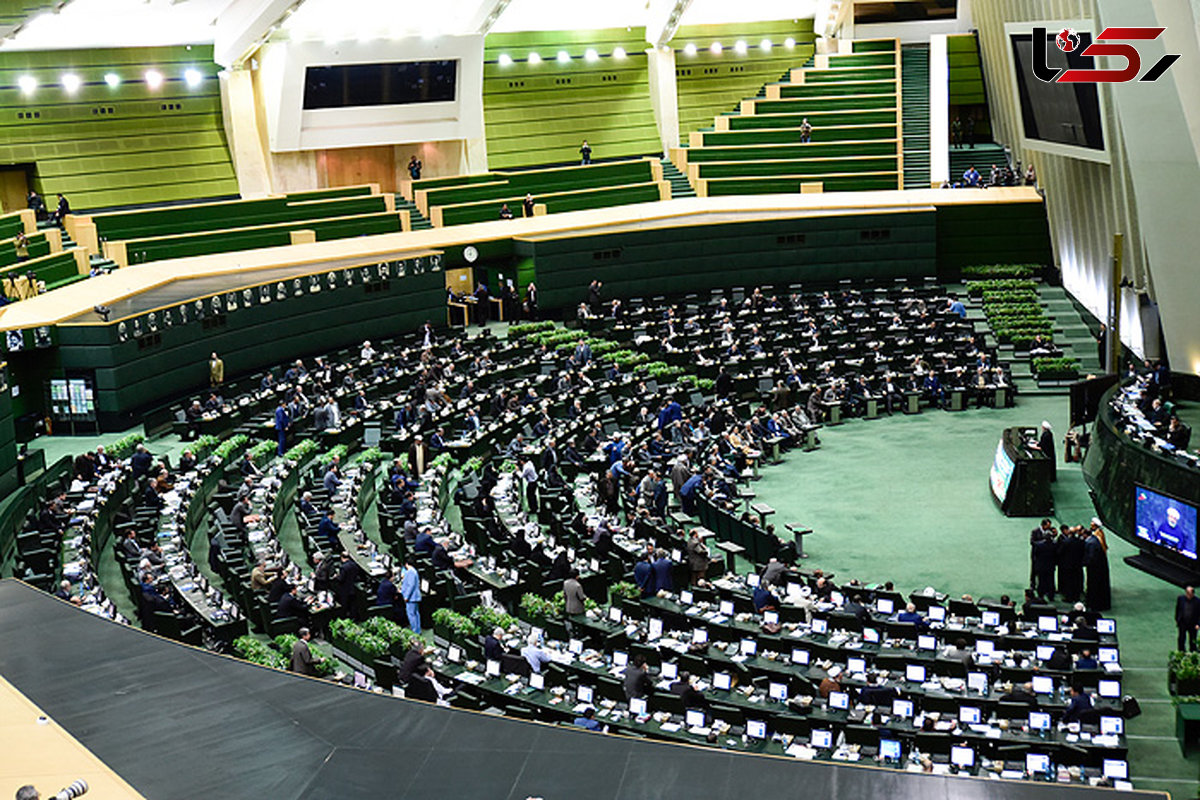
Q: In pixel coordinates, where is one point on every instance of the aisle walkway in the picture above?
(907, 499)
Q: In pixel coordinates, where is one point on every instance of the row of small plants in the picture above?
(977, 288)
(526, 328)
(1000, 271)
(276, 654)
(1057, 368)
(1183, 675)
(262, 452)
(301, 451)
(372, 455)
(536, 607)
(225, 450)
(204, 445)
(458, 626)
(338, 451)
(124, 447)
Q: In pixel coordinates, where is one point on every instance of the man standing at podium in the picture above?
(1045, 444)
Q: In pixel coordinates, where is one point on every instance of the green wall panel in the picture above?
(107, 146)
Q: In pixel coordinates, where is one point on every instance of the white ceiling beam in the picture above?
(662, 20)
(244, 25)
(486, 15)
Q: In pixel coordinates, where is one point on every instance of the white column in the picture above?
(939, 109)
(663, 98)
(242, 134)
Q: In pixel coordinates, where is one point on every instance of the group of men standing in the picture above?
(1069, 551)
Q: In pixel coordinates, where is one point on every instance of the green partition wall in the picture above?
(674, 260)
(539, 113)
(138, 372)
(997, 233)
(115, 145)
(707, 84)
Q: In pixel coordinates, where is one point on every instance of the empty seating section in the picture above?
(477, 198)
(851, 100)
(966, 88)
(120, 145)
(708, 84)
(136, 237)
(540, 113)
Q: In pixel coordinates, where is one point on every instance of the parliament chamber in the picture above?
(495, 400)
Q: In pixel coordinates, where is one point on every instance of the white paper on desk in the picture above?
(670, 727)
(803, 752)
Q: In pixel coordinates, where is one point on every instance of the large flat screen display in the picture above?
(1062, 113)
(401, 83)
(1165, 521)
(1002, 472)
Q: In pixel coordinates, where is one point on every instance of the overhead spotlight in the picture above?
(112, 79)
(193, 78)
(70, 82)
(789, 43)
(504, 60)
(534, 58)
(715, 48)
(689, 49)
(28, 84)
(740, 47)
(765, 45)
(618, 52)
(591, 55)
(153, 78)
(563, 56)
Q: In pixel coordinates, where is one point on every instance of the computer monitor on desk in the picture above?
(914, 673)
(1106, 626)
(821, 740)
(620, 658)
(821, 626)
(962, 756)
(722, 681)
(778, 691)
(800, 656)
(756, 729)
(695, 718)
(839, 701)
(1043, 684)
(856, 666)
(885, 606)
(990, 619)
(902, 708)
(1112, 726)
(937, 613)
(670, 670)
(869, 635)
(1109, 689)
(584, 694)
(970, 715)
(1039, 721)
(1116, 769)
(889, 750)
(638, 706)
(1037, 763)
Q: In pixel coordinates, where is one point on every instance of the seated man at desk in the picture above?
(587, 720)
(290, 605)
(764, 600)
(152, 599)
(687, 691)
(534, 654)
(493, 645)
(909, 614)
(1079, 703)
(307, 508)
(261, 577)
(442, 559)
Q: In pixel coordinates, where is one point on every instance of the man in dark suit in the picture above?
(663, 567)
(328, 530)
(1079, 703)
(493, 647)
(1187, 618)
(303, 661)
(140, 461)
(387, 594)
(691, 696)
(346, 585)
(282, 422)
(1044, 556)
(1021, 694)
(637, 679)
(764, 599)
(643, 575)
(292, 606)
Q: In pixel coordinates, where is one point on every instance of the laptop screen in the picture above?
(822, 740)
(756, 729)
(722, 680)
(969, 715)
(961, 756)
(799, 656)
(902, 708)
(889, 749)
(914, 673)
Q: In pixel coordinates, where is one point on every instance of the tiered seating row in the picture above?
(478, 198)
(850, 99)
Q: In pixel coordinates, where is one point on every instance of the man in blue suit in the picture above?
(1080, 702)
(410, 591)
(643, 575)
(282, 422)
(662, 572)
(328, 530)
(388, 595)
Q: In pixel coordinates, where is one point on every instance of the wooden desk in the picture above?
(45, 755)
(498, 307)
(462, 307)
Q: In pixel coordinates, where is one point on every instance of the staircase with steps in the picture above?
(851, 99)
(106, 264)
(680, 185)
(419, 222)
(981, 156)
(1072, 334)
(914, 83)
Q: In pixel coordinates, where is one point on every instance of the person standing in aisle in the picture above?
(585, 151)
(414, 168)
(216, 370)
(1187, 618)
(410, 592)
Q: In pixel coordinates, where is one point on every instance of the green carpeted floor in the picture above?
(906, 499)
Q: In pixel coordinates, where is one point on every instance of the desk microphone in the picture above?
(74, 790)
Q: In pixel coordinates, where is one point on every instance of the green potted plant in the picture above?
(454, 627)
(1183, 673)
